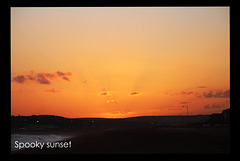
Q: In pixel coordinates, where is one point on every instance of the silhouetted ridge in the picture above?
(52, 122)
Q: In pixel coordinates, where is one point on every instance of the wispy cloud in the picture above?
(105, 92)
(119, 113)
(217, 105)
(41, 77)
(19, 78)
(64, 75)
(134, 93)
(218, 94)
(111, 101)
(208, 106)
(182, 93)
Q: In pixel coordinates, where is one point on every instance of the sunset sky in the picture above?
(119, 62)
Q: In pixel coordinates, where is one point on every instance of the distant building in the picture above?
(226, 114)
(216, 118)
(222, 118)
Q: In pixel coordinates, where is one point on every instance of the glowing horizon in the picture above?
(117, 62)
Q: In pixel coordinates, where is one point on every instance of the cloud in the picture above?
(186, 93)
(182, 93)
(19, 78)
(49, 75)
(30, 77)
(212, 106)
(219, 105)
(209, 94)
(64, 75)
(208, 106)
(105, 93)
(52, 90)
(65, 78)
(134, 93)
(120, 112)
(42, 77)
(111, 101)
(218, 94)
(117, 114)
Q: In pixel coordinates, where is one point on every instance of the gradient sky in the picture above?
(119, 62)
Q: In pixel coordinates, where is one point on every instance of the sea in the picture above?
(23, 138)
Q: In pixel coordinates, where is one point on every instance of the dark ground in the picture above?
(201, 134)
(151, 140)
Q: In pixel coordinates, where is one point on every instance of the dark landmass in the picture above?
(146, 134)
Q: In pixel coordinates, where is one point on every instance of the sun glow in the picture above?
(119, 62)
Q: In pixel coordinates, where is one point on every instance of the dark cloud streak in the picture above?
(42, 78)
(19, 78)
(134, 93)
(64, 75)
(218, 94)
(219, 105)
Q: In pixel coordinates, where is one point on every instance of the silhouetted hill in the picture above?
(40, 122)
(51, 122)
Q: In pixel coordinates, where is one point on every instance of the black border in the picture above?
(119, 3)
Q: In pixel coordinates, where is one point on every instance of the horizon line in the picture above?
(116, 117)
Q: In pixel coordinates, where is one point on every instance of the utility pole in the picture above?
(187, 109)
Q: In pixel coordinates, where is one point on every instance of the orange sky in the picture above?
(119, 62)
